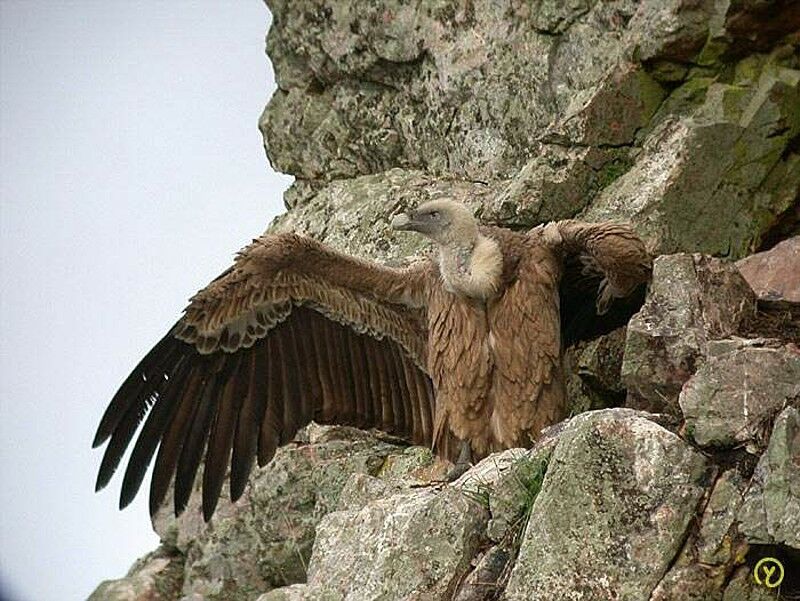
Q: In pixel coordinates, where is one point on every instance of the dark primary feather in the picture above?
(228, 409)
(151, 433)
(192, 450)
(174, 435)
(247, 425)
(220, 441)
(132, 389)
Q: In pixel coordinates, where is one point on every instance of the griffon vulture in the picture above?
(462, 346)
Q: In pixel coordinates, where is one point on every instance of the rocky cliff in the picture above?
(680, 469)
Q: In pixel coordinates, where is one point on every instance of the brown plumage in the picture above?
(463, 345)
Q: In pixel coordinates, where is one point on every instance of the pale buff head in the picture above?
(446, 222)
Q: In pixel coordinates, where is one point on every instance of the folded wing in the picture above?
(606, 267)
(293, 332)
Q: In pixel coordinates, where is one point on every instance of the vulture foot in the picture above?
(463, 463)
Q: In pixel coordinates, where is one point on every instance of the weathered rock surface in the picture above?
(396, 547)
(680, 116)
(715, 537)
(354, 215)
(609, 504)
(692, 300)
(593, 368)
(775, 274)
(743, 587)
(618, 110)
(618, 496)
(711, 550)
(737, 391)
(157, 576)
(683, 194)
(265, 539)
(771, 511)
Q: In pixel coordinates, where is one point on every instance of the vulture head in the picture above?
(444, 221)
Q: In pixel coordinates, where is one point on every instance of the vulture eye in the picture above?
(434, 214)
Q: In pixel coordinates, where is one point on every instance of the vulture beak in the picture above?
(403, 221)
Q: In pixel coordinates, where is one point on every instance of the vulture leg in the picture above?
(463, 463)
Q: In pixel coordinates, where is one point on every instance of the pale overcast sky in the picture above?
(131, 170)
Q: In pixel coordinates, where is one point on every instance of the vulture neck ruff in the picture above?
(473, 268)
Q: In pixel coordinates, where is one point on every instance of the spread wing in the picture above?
(606, 267)
(294, 331)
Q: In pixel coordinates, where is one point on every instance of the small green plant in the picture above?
(477, 490)
(611, 171)
(529, 474)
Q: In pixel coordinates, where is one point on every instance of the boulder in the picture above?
(389, 541)
(774, 274)
(618, 496)
(158, 576)
(593, 372)
(716, 537)
(771, 510)
(737, 392)
(396, 547)
(264, 540)
(681, 193)
(743, 587)
(712, 550)
(692, 300)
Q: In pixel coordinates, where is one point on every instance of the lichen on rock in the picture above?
(619, 493)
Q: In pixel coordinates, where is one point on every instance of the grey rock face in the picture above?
(682, 194)
(714, 539)
(556, 107)
(593, 372)
(738, 390)
(157, 576)
(389, 541)
(458, 89)
(775, 274)
(691, 582)
(692, 300)
(354, 215)
(397, 547)
(265, 539)
(771, 512)
(713, 548)
(742, 587)
(513, 492)
(618, 496)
